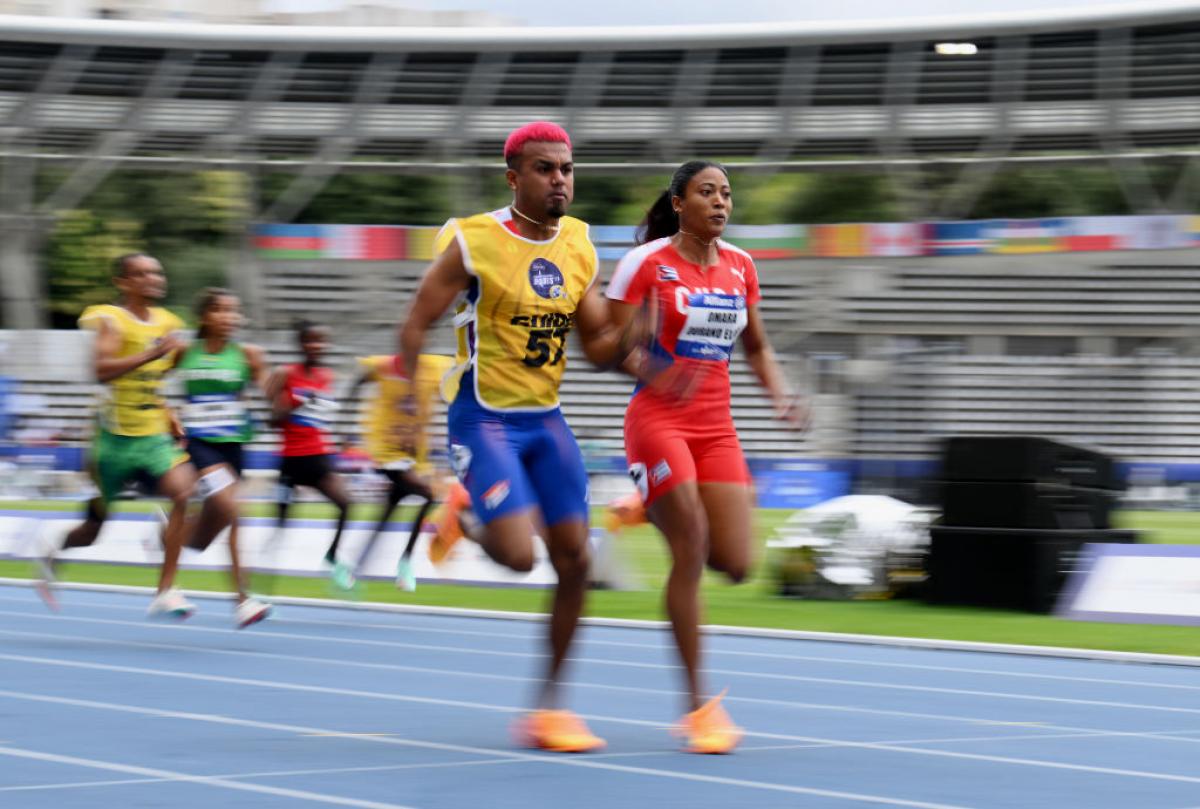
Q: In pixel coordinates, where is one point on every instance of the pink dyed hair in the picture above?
(536, 131)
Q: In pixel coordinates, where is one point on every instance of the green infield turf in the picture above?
(753, 603)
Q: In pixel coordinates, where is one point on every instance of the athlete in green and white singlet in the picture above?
(217, 374)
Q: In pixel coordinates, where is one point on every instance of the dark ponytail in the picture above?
(205, 301)
(661, 220)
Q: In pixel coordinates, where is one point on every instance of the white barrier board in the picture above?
(134, 539)
(1135, 584)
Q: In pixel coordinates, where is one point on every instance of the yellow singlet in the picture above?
(394, 437)
(512, 328)
(134, 404)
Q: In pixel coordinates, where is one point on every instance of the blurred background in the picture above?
(967, 222)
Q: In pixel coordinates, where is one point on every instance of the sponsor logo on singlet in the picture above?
(545, 278)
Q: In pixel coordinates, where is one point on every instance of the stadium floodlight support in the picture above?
(324, 167)
(20, 237)
(1008, 72)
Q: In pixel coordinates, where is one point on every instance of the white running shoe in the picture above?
(250, 612)
(45, 562)
(342, 576)
(170, 604)
(406, 579)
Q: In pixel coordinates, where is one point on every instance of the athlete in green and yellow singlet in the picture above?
(134, 442)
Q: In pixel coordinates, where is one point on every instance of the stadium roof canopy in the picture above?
(1107, 79)
(1095, 84)
(1117, 84)
(619, 37)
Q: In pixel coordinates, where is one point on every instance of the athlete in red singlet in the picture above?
(701, 294)
(303, 405)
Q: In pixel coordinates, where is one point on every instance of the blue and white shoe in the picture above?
(45, 563)
(406, 579)
(250, 612)
(342, 576)
(170, 604)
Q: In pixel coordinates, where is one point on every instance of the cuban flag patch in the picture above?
(666, 273)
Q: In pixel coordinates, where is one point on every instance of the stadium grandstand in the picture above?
(896, 349)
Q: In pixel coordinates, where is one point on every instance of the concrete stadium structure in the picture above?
(1117, 84)
(884, 343)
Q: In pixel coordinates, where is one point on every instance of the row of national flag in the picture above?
(766, 242)
(345, 242)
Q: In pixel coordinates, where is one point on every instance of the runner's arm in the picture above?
(282, 403)
(260, 372)
(351, 399)
(446, 278)
(107, 366)
(605, 329)
(761, 358)
(174, 424)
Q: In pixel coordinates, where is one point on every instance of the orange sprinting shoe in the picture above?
(441, 545)
(559, 731)
(448, 531)
(708, 729)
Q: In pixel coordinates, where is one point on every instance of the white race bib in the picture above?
(213, 414)
(714, 322)
(317, 411)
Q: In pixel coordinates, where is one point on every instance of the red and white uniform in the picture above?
(701, 314)
(306, 428)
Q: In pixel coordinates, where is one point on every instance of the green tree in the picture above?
(79, 256)
(1026, 193)
(836, 197)
(188, 221)
(370, 199)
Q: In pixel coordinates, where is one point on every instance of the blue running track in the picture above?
(328, 706)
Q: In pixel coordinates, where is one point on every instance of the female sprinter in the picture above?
(215, 371)
(701, 296)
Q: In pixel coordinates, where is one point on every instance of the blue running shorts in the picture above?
(511, 461)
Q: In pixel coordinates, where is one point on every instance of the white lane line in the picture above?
(83, 784)
(206, 780)
(380, 768)
(552, 759)
(276, 685)
(856, 639)
(798, 678)
(271, 774)
(1167, 735)
(713, 651)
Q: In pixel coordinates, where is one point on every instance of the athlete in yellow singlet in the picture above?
(394, 436)
(135, 435)
(525, 276)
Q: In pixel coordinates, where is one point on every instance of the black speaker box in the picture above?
(1026, 459)
(1025, 505)
(1009, 568)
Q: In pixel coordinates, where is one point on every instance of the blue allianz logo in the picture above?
(545, 278)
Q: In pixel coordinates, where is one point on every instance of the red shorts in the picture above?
(664, 450)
